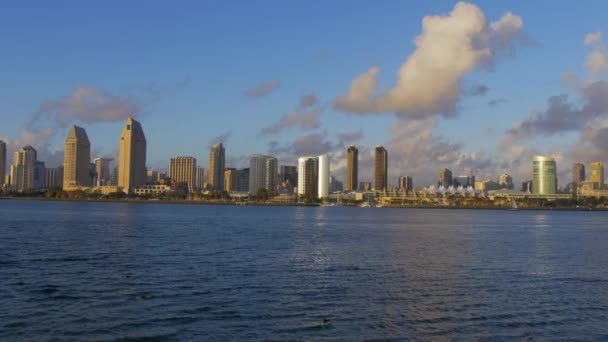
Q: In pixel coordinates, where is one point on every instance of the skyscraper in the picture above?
(262, 173)
(2, 162)
(289, 176)
(445, 178)
(596, 175)
(352, 168)
(405, 183)
(544, 175)
(22, 170)
(132, 156)
(39, 175)
(200, 177)
(76, 159)
(231, 179)
(182, 170)
(578, 173)
(243, 181)
(381, 169)
(217, 164)
(313, 176)
(54, 177)
(505, 181)
(102, 171)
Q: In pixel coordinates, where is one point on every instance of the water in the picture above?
(96, 271)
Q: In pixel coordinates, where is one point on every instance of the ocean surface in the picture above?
(155, 272)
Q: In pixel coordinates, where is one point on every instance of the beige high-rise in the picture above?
(2, 162)
(183, 170)
(381, 169)
(596, 174)
(132, 156)
(22, 170)
(352, 168)
(76, 159)
(217, 164)
(230, 179)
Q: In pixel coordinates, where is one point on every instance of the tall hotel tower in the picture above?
(313, 176)
(381, 169)
(217, 164)
(132, 156)
(183, 170)
(352, 168)
(76, 159)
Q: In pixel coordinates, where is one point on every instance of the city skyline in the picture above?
(307, 106)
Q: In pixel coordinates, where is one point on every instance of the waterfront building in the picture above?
(153, 190)
(132, 156)
(578, 173)
(596, 175)
(217, 164)
(22, 170)
(243, 180)
(289, 177)
(544, 175)
(231, 179)
(313, 176)
(262, 174)
(526, 186)
(335, 185)
(54, 177)
(2, 162)
(445, 178)
(76, 159)
(405, 183)
(486, 185)
(39, 175)
(381, 169)
(200, 178)
(182, 170)
(102, 171)
(152, 177)
(365, 186)
(463, 181)
(505, 181)
(352, 168)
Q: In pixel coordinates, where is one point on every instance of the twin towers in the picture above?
(77, 168)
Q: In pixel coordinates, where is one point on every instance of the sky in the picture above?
(478, 86)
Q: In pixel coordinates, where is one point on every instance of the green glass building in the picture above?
(544, 175)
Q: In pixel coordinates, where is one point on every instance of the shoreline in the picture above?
(255, 204)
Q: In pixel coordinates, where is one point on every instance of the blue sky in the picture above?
(187, 66)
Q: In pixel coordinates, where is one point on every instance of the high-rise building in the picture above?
(2, 162)
(405, 183)
(200, 177)
(313, 176)
(76, 159)
(22, 170)
(231, 179)
(217, 164)
(335, 185)
(243, 180)
(54, 177)
(102, 171)
(463, 181)
(132, 156)
(39, 175)
(262, 173)
(505, 181)
(182, 170)
(115, 176)
(381, 169)
(365, 186)
(526, 186)
(544, 175)
(352, 168)
(445, 178)
(578, 173)
(289, 176)
(596, 175)
(152, 177)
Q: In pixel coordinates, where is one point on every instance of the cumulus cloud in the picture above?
(308, 100)
(597, 59)
(222, 138)
(311, 144)
(305, 120)
(350, 137)
(86, 105)
(264, 88)
(429, 82)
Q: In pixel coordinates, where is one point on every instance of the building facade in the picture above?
(596, 175)
(445, 178)
(22, 170)
(263, 174)
(182, 171)
(2, 162)
(544, 175)
(313, 176)
(243, 181)
(102, 171)
(77, 159)
(578, 173)
(381, 169)
(231, 180)
(405, 183)
(505, 181)
(289, 177)
(200, 178)
(217, 164)
(54, 177)
(132, 171)
(352, 168)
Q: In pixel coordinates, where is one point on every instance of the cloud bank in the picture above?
(264, 88)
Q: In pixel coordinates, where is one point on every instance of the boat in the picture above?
(513, 205)
(327, 204)
(379, 205)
